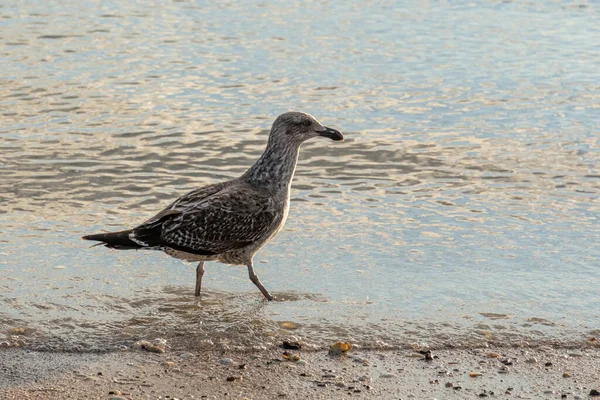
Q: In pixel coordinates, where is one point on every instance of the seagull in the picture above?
(229, 221)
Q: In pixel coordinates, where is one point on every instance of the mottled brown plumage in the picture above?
(229, 221)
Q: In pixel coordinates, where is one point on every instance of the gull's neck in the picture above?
(274, 170)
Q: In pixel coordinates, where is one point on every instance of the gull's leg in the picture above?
(199, 273)
(257, 282)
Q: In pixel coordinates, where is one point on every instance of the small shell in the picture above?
(290, 356)
(339, 348)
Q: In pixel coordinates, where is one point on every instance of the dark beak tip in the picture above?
(332, 134)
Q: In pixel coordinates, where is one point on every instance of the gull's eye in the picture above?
(306, 122)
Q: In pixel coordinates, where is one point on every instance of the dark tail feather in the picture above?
(115, 240)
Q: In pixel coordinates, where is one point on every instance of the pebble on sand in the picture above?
(157, 347)
(292, 345)
(288, 325)
(339, 348)
(290, 356)
(428, 356)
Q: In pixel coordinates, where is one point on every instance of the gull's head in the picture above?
(297, 127)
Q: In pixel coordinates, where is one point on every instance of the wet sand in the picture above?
(523, 373)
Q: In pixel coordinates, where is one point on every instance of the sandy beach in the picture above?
(459, 215)
(522, 373)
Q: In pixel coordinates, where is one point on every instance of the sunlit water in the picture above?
(462, 208)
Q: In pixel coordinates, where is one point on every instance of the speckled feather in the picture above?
(237, 216)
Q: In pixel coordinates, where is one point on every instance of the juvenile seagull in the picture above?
(229, 221)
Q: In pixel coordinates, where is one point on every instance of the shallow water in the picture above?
(462, 207)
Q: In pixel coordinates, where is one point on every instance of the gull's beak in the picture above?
(330, 133)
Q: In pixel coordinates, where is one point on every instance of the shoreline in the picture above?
(525, 373)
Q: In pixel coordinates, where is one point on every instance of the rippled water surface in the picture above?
(462, 207)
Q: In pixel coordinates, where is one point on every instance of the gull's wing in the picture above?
(212, 220)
